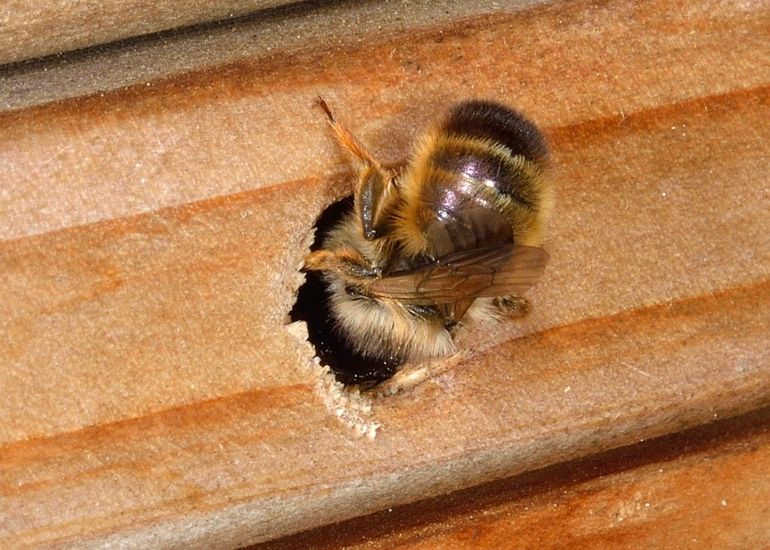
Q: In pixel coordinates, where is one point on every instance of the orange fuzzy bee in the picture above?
(454, 238)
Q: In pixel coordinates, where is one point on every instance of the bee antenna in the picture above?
(345, 138)
(321, 103)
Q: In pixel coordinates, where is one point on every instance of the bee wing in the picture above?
(466, 275)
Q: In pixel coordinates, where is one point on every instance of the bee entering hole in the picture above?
(312, 306)
(451, 240)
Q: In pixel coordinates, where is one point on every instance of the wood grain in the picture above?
(242, 127)
(694, 489)
(292, 32)
(183, 291)
(36, 28)
(269, 462)
(151, 239)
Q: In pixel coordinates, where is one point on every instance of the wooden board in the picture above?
(34, 28)
(696, 489)
(151, 238)
(273, 36)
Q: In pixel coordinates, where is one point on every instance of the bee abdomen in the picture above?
(455, 162)
(491, 121)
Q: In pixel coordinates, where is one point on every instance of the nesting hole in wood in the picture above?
(312, 306)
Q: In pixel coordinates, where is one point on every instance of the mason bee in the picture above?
(451, 239)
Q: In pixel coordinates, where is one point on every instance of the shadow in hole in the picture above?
(312, 306)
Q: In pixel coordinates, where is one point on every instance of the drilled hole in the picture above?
(312, 306)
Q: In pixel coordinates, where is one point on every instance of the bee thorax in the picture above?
(383, 328)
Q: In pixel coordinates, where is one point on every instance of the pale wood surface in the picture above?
(151, 240)
(274, 36)
(253, 125)
(34, 28)
(697, 489)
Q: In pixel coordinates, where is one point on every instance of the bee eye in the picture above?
(352, 290)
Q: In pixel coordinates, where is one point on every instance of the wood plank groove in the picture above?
(295, 29)
(36, 28)
(636, 496)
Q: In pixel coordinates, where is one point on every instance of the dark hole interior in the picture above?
(312, 306)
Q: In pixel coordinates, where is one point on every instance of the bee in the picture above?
(451, 239)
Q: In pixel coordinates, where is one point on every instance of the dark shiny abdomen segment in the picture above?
(487, 168)
(490, 120)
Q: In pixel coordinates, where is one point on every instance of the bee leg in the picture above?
(513, 306)
(411, 375)
(346, 262)
(453, 313)
(374, 199)
(374, 194)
